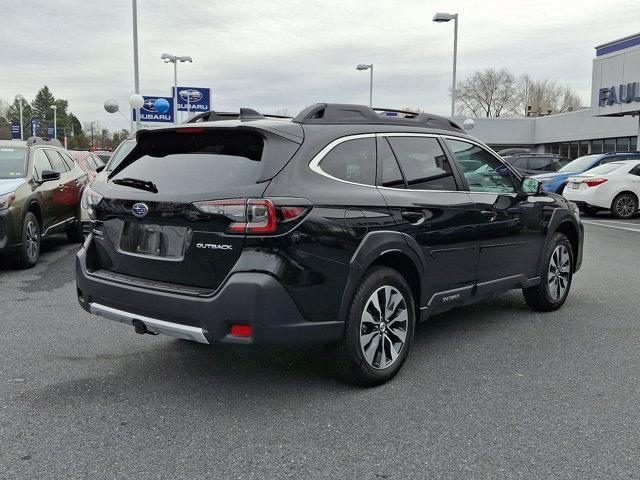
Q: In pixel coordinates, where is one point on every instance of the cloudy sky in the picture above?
(280, 54)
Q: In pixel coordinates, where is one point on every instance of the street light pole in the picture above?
(136, 78)
(168, 58)
(365, 66)
(92, 141)
(55, 121)
(20, 98)
(446, 17)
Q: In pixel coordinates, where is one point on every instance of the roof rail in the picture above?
(244, 114)
(43, 141)
(338, 113)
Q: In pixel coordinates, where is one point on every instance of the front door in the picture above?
(510, 222)
(423, 195)
(44, 190)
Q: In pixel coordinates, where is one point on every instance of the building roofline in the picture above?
(619, 44)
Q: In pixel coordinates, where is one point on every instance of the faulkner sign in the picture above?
(616, 78)
(627, 93)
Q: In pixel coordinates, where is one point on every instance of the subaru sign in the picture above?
(148, 111)
(193, 99)
(15, 131)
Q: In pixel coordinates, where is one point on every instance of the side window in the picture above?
(635, 171)
(40, 163)
(423, 163)
(520, 162)
(490, 176)
(56, 161)
(541, 163)
(389, 174)
(68, 161)
(352, 161)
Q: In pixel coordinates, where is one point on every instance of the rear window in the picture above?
(606, 168)
(199, 161)
(13, 162)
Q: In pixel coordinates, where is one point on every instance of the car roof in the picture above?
(13, 143)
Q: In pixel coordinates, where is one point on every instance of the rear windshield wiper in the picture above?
(135, 183)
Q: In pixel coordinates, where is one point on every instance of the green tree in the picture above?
(79, 142)
(73, 125)
(41, 107)
(13, 115)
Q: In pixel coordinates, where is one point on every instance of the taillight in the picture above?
(594, 182)
(253, 216)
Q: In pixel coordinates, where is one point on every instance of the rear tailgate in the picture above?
(163, 237)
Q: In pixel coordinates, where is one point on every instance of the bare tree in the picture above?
(544, 97)
(487, 93)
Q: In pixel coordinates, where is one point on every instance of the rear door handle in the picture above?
(490, 215)
(415, 218)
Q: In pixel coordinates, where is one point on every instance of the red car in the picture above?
(89, 162)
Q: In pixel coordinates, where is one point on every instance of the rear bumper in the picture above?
(246, 298)
(592, 197)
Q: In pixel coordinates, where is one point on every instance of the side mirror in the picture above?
(531, 186)
(48, 175)
(100, 168)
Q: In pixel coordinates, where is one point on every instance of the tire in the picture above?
(625, 205)
(30, 246)
(364, 330)
(555, 282)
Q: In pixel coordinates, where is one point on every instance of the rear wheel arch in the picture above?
(625, 192)
(390, 249)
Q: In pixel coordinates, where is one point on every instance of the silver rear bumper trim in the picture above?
(154, 325)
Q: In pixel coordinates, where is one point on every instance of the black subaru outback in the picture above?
(342, 226)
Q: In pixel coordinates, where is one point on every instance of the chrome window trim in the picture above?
(314, 164)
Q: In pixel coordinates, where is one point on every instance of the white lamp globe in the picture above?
(136, 101)
(468, 124)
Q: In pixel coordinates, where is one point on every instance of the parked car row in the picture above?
(40, 188)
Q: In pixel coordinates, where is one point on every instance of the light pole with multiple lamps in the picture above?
(368, 66)
(55, 121)
(168, 58)
(20, 99)
(447, 17)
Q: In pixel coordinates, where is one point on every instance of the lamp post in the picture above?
(365, 66)
(447, 17)
(55, 121)
(168, 58)
(92, 142)
(19, 99)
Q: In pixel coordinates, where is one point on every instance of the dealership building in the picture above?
(612, 124)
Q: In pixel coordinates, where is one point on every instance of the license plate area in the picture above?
(163, 242)
(575, 185)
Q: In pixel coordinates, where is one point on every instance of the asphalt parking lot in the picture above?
(489, 391)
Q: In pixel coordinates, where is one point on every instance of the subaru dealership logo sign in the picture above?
(625, 93)
(148, 111)
(194, 99)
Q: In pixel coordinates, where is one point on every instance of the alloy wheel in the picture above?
(559, 272)
(625, 206)
(383, 327)
(32, 240)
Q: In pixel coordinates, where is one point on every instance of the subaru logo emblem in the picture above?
(139, 209)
